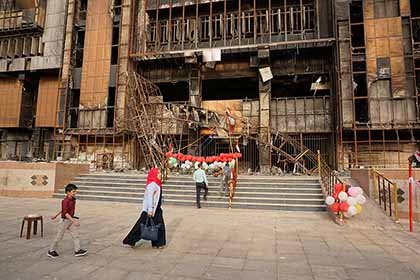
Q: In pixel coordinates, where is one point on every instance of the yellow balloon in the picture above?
(359, 208)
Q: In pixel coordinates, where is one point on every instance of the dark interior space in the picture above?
(299, 85)
(359, 66)
(74, 107)
(174, 91)
(226, 89)
(362, 110)
(361, 88)
(415, 8)
(416, 30)
(356, 11)
(110, 107)
(357, 35)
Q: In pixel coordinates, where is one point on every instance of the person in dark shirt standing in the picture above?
(68, 222)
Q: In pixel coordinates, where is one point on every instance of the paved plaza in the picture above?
(206, 243)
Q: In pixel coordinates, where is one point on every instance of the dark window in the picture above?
(110, 109)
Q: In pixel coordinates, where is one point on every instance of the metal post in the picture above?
(396, 214)
(410, 186)
(319, 163)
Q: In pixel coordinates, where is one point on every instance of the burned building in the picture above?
(341, 77)
(31, 46)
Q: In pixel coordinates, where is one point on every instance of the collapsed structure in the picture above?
(342, 77)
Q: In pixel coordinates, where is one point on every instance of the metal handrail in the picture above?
(328, 177)
(386, 192)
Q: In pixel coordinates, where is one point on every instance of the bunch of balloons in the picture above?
(348, 201)
(222, 157)
(188, 161)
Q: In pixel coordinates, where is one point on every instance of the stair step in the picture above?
(288, 193)
(191, 184)
(222, 204)
(191, 191)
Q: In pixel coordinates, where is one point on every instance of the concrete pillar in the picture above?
(195, 101)
(125, 65)
(265, 128)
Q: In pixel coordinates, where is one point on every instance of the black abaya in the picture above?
(135, 234)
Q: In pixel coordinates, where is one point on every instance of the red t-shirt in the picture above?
(67, 206)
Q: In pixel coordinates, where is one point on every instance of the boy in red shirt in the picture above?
(68, 222)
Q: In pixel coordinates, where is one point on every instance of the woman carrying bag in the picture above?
(152, 214)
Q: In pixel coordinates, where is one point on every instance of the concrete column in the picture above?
(195, 100)
(124, 65)
(264, 129)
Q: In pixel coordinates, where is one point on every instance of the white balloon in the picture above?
(329, 200)
(342, 196)
(351, 201)
(361, 199)
(352, 210)
(183, 166)
(360, 190)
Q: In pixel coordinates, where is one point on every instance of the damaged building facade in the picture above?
(342, 77)
(31, 46)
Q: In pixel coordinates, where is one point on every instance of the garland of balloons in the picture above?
(186, 162)
(347, 201)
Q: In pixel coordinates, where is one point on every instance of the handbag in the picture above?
(149, 232)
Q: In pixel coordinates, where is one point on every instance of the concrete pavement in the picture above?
(206, 244)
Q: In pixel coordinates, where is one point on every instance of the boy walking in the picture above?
(68, 222)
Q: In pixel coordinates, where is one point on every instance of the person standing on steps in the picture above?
(226, 177)
(151, 208)
(201, 182)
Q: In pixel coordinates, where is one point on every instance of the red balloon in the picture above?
(344, 207)
(335, 207)
(338, 187)
(335, 195)
(168, 154)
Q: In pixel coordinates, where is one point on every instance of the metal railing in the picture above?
(328, 176)
(386, 194)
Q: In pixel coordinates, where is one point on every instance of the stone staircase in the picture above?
(289, 193)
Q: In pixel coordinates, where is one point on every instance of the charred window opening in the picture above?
(357, 35)
(115, 35)
(416, 30)
(74, 107)
(80, 44)
(359, 66)
(29, 95)
(300, 85)
(361, 109)
(356, 11)
(110, 107)
(225, 89)
(415, 8)
(173, 92)
(117, 9)
(360, 85)
(182, 26)
(82, 12)
(114, 51)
